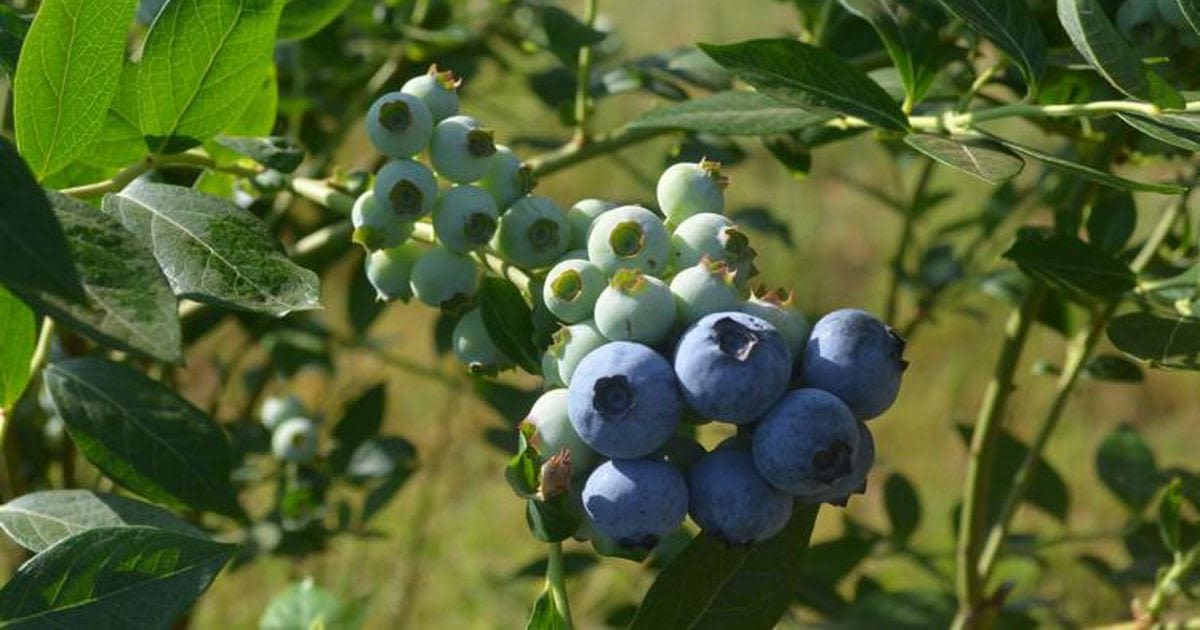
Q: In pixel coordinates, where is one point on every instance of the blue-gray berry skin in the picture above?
(295, 440)
(406, 189)
(808, 444)
(732, 367)
(461, 150)
(853, 355)
(507, 178)
(473, 346)
(629, 237)
(731, 501)
(686, 189)
(390, 271)
(376, 227)
(838, 493)
(554, 433)
(464, 218)
(624, 401)
(438, 90)
(776, 307)
(582, 215)
(635, 502)
(442, 278)
(533, 233)
(399, 125)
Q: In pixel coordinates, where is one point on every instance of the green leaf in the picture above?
(1089, 173)
(112, 577)
(13, 29)
(733, 113)
(509, 322)
(791, 152)
(33, 251)
(1164, 342)
(1113, 368)
(362, 419)
(1191, 13)
(552, 520)
(66, 79)
(18, 336)
(1047, 490)
(1011, 26)
(40, 520)
(143, 435)
(1102, 46)
(814, 78)
(119, 142)
(903, 506)
(1111, 220)
(1076, 267)
(981, 158)
(1180, 130)
(302, 19)
(214, 251)
(188, 98)
(129, 303)
(715, 585)
(910, 42)
(1169, 507)
(545, 615)
(1126, 466)
(524, 469)
(275, 152)
(306, 606)
(565, 35)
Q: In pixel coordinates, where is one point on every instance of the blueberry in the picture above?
(443, 278)
(624, 400)
(295, 440)
(717, 237)
(533, 233)
(635, 307)
(731, 501)
(276, 409)
(375, 227)
(474, 347)
(776, 307)
(635, 501)
(571, 289)
(732, 367)
(390, 271)
(853, 355)
(507, 178)
(550, 377)
(581, 215)
(399, 125)
(629, 237)
(438, 90)
(571, 344)
(554, 432)
(856, 483)
(461, 150)
(809, 444)
(681, 451)
(464, 218)
(406, 188)
(687, 188)
(704, 289)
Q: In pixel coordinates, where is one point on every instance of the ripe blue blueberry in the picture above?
(533, 233)
(406, 188)
(687, 188)
(714, 236)
(731, 501)
(624, 400)
(732, 367)
(839, 492)
(438, 90)
(399, 125)
(581, 215)
(295, 440)
(704, 289)
(553, 432)
(390, 271)
(635, 307)
(853, 355)
(571, 289)
(681, 451)
(629, 237)
(777, 308)
(571, 344)
(507, 178)
(464, 218)
(376, 227)
(808, 444)
(276, 409)
(461, 150)
(442, 278)
(635, 502)
(474, 347)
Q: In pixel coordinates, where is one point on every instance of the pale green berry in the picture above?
(376, 227)
(295, 440)
(776, 307)
(444, 279)
(461, 150)
(704, 289)
(571, 289)
(550, 377)
(507, 178)
(438, 90)
(574, 254)
(571, 344)
(717, 237)
(473, 346)
(399, 125)
(390, 271)
(582, 215)
(635, 307)
(687, 188)
(407, 188)
(553, 432)
(276, 409)
(629, 237)
(532, 234)
(464, 218)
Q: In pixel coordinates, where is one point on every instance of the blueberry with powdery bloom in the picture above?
(731, 501)
(853, 355)
(635, 502)
(732, 366)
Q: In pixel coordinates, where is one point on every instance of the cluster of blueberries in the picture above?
(657, 327)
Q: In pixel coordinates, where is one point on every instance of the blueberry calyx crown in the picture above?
(479, 227)
(525, 182)
(555, 477)
(628, 281)
(395, 116)
(718, 268)
(832, 463)
(445, 78)
(737, 246)
(897, 347)
(612, 395)
(542, 234)
(481, 143)
(735, 340)
(567, 285)
(782, 298)
(405, 199)
(559, 341)
(627, 239)
(712, 169)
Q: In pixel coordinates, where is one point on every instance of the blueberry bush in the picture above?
(174, 170)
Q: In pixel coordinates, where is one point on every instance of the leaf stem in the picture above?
(583, 75)
(556, 580)
(1170, 583)
(126, 176)
(571, 154)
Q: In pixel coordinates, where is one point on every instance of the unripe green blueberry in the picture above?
(438, 90)
(399, 125)
(533, 233)
(571, 344)
(574, 254)
(474, 347)
(715, 236)
(571, 289)
(406, 188)
(554, 433)
(390, 271)
(776, 307)
(464, 218)
(629, 237)
(295, 440)
(375, 227)
(582, 215)
(703, 289)
(687, 188)
(507, 178)
(635, 307)
(461, 150)
(276, 409)
(443, 278)
(550, 377)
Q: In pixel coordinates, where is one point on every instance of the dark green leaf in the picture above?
(130, 305)
(735, 113)
(712, 584)
(1110, 367)
(1165, 342)
(1103, 47)
(1168, 514)
(18, 336)
(1089, 173)
(910, 42)
(69, 68)
(13, 28)
(1111, 220)
(984, 159)
(119, 142)
(362, 303)
(565, 35)
(509, 322)
(1126, 466)
(1070, 264)
(214, 251)
(277, 152)
(810, 77)
(113, 577)
(381, 457)
(302, 19)
(1191, 13)
(1180, 130)
(1047, 490)
(362, 420)
(143, 435)
(306, 606)
(902, 610)
(791, 152)
(551, 520)
(1013, 27)
(545, 615)
(903, 506)
(40, 520)
(512, 403)
(524, 469)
